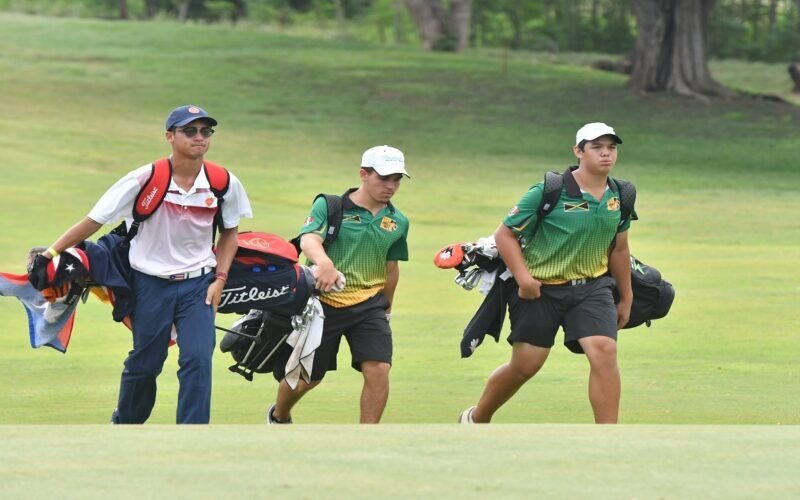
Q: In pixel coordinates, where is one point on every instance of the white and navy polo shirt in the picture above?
(177, 237)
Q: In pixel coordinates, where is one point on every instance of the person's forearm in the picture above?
(76, 234)
(311, 244)
(511, 253)
(619, 264)
(227, 244)
(392, 278)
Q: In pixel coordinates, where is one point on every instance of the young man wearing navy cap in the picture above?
(176, 276)
(370, 242)
(559, 265)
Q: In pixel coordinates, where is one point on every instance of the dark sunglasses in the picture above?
(192, 131)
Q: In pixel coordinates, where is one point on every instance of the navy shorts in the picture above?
(582, 310)
(366, 329)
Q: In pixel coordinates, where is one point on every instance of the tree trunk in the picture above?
(239, 10)
(149, 9)
(460, 15)
(794, 73)
(670, 52)
(340, 17)
(438, 29)
(183, 10)
(123, 9)
(397, 21)
(755, 16)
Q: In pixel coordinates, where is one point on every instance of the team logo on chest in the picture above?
(576, 207)
(388, 224)
(355, 219)
(613, 204)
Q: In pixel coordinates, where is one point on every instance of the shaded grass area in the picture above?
(84, 101)
(401, 461)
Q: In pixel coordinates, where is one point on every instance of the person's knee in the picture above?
(527, 360)
(601, 351)
(375, 371)
(525, 370)
(148, 366)
(302, 386)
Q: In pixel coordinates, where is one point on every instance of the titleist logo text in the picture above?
(241, 294)
(149, 198)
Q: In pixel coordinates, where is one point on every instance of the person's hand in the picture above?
(326, 277)
(530, 289)
(623, 313)
(214, 293)
(37, 271)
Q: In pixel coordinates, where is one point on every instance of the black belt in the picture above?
(580, 281)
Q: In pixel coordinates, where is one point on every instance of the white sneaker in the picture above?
(271, 417)
(466, 416)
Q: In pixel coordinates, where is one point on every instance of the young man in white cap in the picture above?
(560, 269)
(176, 277)
(370, 242)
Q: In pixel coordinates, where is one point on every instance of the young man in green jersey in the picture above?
(370, 242)
(560, 268)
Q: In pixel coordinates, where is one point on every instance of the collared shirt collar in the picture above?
(348, 204)
(200, 182)
(573, 190)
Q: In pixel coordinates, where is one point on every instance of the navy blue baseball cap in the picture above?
(187, 114)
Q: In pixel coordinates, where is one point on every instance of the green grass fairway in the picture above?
(83, 101)
(400, 461)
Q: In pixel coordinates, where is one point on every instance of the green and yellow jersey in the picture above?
(573, 240)
(364, 244)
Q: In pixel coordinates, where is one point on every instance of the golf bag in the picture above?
(652, 295)
(264, 275)
(268, 286)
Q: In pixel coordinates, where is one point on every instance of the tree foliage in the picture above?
(765, 30)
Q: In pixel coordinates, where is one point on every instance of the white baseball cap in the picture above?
(385, 160)
(592, 131)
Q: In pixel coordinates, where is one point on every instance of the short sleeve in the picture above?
(117, 202)
(523, 216)
(399, 249)
(235, 204)
(317, 220)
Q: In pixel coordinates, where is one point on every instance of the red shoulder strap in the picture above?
(218, 177)
(154, 190)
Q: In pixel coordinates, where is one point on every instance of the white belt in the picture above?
(187, 276)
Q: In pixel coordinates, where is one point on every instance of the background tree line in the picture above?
(762, 30)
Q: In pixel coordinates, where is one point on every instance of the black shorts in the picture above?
(583, 310)
(366, 329)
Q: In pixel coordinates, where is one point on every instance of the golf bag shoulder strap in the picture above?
(152, 194)
(553, 182)
(335, 204)
(219, 179)
(551, 191)
(333, 220)
(627, 200)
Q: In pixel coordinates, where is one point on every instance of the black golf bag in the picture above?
(268, 286)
